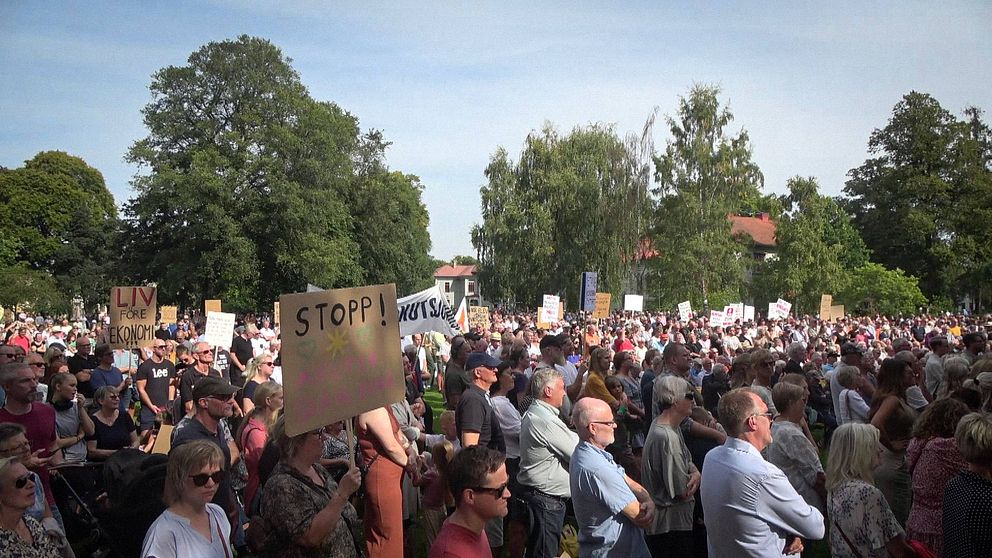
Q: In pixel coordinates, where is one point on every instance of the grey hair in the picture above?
(847, 375)
(796, 351)
(542, 379)
(669, 390)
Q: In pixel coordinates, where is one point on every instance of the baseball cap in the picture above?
(476, 360)
(212, 385)
(496, 336)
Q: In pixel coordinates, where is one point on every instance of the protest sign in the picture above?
(825, 302)
(587, 290)
(339, 356)
(748, 313)
(550, 309)
(685, 310)
(716, 318)
(275, 313)
(739, 311)
(168, 314)
(478, 317)
(730, 315)
(634, 303)
(783, 308)
(541, 323)
(132, 317)
(220, 329)
(772, 311)
(602, 309)
(211, 305)
(837, 312)
(426, 311)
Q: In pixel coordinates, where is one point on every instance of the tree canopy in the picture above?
(254, 189)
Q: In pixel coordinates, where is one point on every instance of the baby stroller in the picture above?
(129, 499)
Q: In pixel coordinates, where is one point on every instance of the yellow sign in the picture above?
(837, 312)
(602, 305)
(478, 318)
(340, 355)
(825, 302)
(168, 314)
(211, 306)
(275, 313)
(132, 317)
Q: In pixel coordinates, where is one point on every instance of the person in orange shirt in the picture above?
(590, 340)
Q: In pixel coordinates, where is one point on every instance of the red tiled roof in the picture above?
(760, 228)
(455, 271)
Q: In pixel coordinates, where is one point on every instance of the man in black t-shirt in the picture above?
(475, 420)
(203, 358)
(154, 381)
(241, 351)
(81, 365)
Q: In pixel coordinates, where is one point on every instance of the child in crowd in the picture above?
(431, 477)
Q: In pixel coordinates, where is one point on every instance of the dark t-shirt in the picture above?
(157, 376)
(242, 349)
(196, 431)
(475, 414)
(77, 363)
(112, 437)
(186, 383)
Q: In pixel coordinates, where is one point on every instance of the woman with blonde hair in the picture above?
(259, 371)
(956, 371)
(254, 433)
(20, 533)
(862, 524)
(599, 368)
(968, 496)
(192, 525)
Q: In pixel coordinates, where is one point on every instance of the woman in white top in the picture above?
(191, 525)
(851, 406)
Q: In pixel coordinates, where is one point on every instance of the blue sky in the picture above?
(449, 82)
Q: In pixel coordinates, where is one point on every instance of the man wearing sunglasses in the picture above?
(203, 359)
(479, 484)
(214, 401)
(154, 381)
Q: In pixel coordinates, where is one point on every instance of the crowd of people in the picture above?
(652, 435)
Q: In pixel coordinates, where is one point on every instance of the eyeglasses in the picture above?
(225, 397)
(767, 415)
(202, 478)
(10, 355)
(206, 352)
(113, 396)
(24, 446)
(604, 422)
(159, 346)
(690, 396)
(38, 364)
(266, 364)
(497, 492)
(22, 481)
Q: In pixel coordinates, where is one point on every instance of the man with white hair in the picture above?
(610, 507)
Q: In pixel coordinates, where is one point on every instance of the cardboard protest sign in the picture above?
(478, 317)
(132, 317)
(772, 311)
(212, 305)
(837, 312)
(275, 313)
(549, 309)
(602, 309)
(685, 310)
(729, 315)
(783, 308)
(339, 355)
(168, 314)
(634, 303)
(220, 329)
(825, 302)
(748, 313)
(426, 311)
(587, 290)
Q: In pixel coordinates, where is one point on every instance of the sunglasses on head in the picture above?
(202, 478)
(22, 481)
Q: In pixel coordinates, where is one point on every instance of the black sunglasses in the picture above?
(22, 481)
(201, 479)
(497, 492)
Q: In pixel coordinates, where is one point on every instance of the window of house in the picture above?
(447, 286)
(471, 287)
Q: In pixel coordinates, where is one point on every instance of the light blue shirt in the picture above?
(751, 505)
(599, 495)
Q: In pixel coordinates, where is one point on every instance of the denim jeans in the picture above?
(545, 522)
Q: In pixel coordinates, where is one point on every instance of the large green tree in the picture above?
(704, 175)
(921, 201)
(816, 249)
(570, 204)
(874, 289)
(58, 219)
(253, 189)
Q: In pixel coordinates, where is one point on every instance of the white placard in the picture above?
(729, 315)
(590, 279)
(220, 329)
(634, 303)
(784, 308)
(772, 311)
(716, 318)
(748, 313)
(685, 310)
(549, 310)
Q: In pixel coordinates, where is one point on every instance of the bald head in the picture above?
(587, 411)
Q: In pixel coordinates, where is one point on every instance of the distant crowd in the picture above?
(651, 435)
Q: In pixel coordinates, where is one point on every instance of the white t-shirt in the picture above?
(172, 535)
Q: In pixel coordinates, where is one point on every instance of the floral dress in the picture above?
(860, 511)
(12, 546)
(933, 462)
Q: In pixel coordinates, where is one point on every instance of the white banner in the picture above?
(549, 310)
(425, 311)
(784, 308)
(220, 329)
(634, 303)
(685, 310)
(716, 318)
(748, 313)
